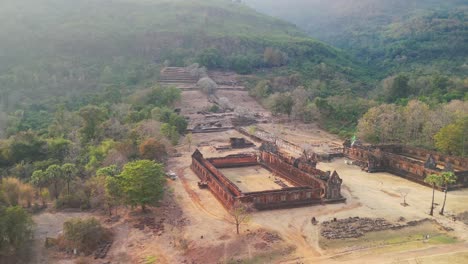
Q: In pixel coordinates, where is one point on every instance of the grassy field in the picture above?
(393, 240)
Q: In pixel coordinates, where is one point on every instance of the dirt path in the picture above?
(194, 196)
(366, 256)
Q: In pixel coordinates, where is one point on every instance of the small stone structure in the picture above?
(311, 186)
(236, 143)
(408, 162)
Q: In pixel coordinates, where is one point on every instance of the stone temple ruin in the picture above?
(411, 163)
(222, 113)
(266, 180)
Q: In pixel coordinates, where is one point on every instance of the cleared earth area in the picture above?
(254, 179)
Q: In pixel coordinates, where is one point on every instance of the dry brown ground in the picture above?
(253, 178)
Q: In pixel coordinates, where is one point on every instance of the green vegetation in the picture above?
(409, 50)
(390, 35)
(442, 180)
(433, 180)
(15, 229)
(82, 51)
(142, 183)
(419, 124)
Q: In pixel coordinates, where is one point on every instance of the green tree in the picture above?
(10, 187)
(179, 122)
(40, 179)
(92, 117)
(111, 170)
(281, 103)
(171, 133)
(452, 139)
(54, 174)
(100, 192)
(152, 149)
(114, 193)
(69, 172)
(142, 183)
(98, 153)
(210, 58)
(27, 146)
(16, 228)
(189, 139)
(261, 90)
(397, 87)
(241, 64)
(57, 148)
(274, 57)
(434, 180)
(446, 178)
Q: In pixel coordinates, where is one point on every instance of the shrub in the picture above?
(207, 85)
(15, 229)
(10, 187)
(84, 234)
(75, 200)
(214, 109)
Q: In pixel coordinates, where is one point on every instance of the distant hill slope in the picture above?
(392, 35)
(75, 46)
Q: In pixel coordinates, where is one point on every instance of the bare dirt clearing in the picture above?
(253, 178)
(49, 224)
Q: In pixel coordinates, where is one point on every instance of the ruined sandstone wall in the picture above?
(310, 169)
(356, 153)
(287, 197)
(391, 161)
(215, 184)
(408, 168)
(291, 173)
(234, 161)
(459, 163)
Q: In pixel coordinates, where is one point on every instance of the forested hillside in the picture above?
(414, 50)
(429, 35)
(70, 48)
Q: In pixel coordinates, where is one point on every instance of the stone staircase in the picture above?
(177, 75)
(182, 79)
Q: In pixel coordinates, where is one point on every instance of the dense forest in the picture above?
(392, 35)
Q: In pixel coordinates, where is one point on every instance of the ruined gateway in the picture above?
(307, 185)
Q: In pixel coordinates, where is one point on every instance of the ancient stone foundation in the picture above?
(310, 185)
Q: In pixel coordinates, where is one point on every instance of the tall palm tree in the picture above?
(69, 170)
(40, 179)
(446, 178)
(434, 180)
(54, 173)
